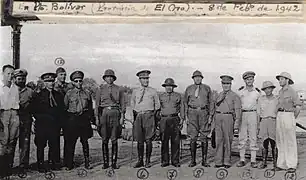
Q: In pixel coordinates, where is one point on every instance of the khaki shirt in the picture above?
(78, 101)
(249, 99)
(171, 103)
(150, 100)
(288, 99)
(267, 107)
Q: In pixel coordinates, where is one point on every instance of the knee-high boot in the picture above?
(86, 155)
(193, 150)
(105, 155)
(140, 149)
(148, 154)
(204, 153)
(114, 155)
(264, 159)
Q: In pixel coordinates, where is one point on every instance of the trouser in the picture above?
(248, 130)
(286, 140)
(24, 139)
(224, 125)
(198, 124)
(8, 138)
(169, 127)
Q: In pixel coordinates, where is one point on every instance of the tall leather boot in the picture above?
(274, 157)
(86, 155)
(105, 155)
(114, 155)
(193, 150)
(148, 154)
(40, 160)
(4, 166)
(204, 154)
(140, 149)
(264, 159)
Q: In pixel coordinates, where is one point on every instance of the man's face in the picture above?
(169, 89)
(197, 79)
(20, 81)
(283, 81)
(144, 82)
(61, 76)
(8, 74)
(109, 79)
(49, 84)
(268, 91)
(78, 83)
(226, 86)
(249, 81)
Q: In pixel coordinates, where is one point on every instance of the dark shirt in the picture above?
(78, 101)
(26, 96)
(171, 103)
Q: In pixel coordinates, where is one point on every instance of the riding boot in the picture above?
(105, 155)
(40, 160)
(140, 149)
(264, 159)
(148, 154)
(86, 155)
(193, 150)
(114, 155)
(204, 154)
(4, 171)
(274, 156)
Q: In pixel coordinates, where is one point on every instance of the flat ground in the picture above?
(125, 160)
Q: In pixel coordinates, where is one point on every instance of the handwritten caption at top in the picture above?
(157, 9)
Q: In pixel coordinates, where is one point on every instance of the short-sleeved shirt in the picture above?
(150, 100)
(267, 107)
(288, 99)
(249, 99)
(78, 100)
(171, 103)
(9, 97)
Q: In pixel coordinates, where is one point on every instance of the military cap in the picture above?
(143, 74)
(60, 70)
(267, 84)
(285, 75)
(20, 72)
(76, 75)
(226, 79)
(109, 72)
(197, 73)
(248, 74)
(48, 76)
(169, 82)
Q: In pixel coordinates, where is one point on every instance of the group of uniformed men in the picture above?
(69, 107)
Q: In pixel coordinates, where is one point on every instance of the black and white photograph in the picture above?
(153, 101)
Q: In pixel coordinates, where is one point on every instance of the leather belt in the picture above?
(111, 107)
(269, 117)
(284, 110)
(252, 110)
(197, 108)
(219, 112)
(170, 115)
(144, 112)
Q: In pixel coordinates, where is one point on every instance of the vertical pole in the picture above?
(16, 45)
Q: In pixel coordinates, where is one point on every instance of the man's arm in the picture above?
(185, 101)
(297, 103)
(237, 108)
(133, 99)
(122, 105)
(97, 100)
(156, 101)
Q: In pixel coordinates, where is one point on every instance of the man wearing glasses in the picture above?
(78, 103)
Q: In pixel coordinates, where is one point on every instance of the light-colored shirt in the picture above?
(150, 100)
(171, 103)
(267, 107)
(9, 97)
(288, 99)
(249, 99)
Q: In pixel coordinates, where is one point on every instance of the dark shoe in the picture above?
(114, 156)
(192, 164)
(86, 155)
(218, 166)
(148, 163)
(105, 156)
(204, 154)
(176, 165)
(139, 164)
(165, 164)
(68, 168)
(227, 166)
(263, 165)
(41, 167)
(274, 157)
(291, 170)
(254, 165)
(278, 169)
(241, 164)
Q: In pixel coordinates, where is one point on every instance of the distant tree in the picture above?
(31, 85)
(91, 85)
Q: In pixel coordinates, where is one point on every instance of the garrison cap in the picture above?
(143, 74)
(197, 73)
(285, 75)
(109, 72)
(60, 70)
(267, 84)
(226, 79)
(20, 72)
(169, 82)
(76, 75)
(47, 77)
(248, 74)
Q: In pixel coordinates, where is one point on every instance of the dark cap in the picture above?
(197, 73)
(143, 74)
(109, 72)
(226, 79)
(60, 70)
(169, 82)
(76, 75)
(248, 74)
(47, 77)
(20, 72)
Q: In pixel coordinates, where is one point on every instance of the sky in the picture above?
(169, 50)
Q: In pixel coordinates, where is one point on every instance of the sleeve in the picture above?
(296, 99)
(66, 100)
(237, 108)
(133, 99)
(97, 101)
(156, 101)
(185, 102)
(211, 102)
(258, 109)
(91, 110)
(182, 107)
(122, 101)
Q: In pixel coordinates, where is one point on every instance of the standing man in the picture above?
(267, 112)
(48, 109)
(78, 103)
(145, 103)
(227, 116)
(248, 127)
(109, 114)
(288, 107)
(26, 96)
(198, 111)
(172, 115)
(9, 120)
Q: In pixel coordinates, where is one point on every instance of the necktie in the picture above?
(52, 100)
(80, 103)
(169, 97)
(196, 93)
(111, 94)
(141, 97)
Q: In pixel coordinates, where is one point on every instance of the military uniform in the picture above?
(78, 103)
(198, 108)
(226, 117)
(110, 109)
(171, 107)
(145, 103)
(249, 121)
(48, 109)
